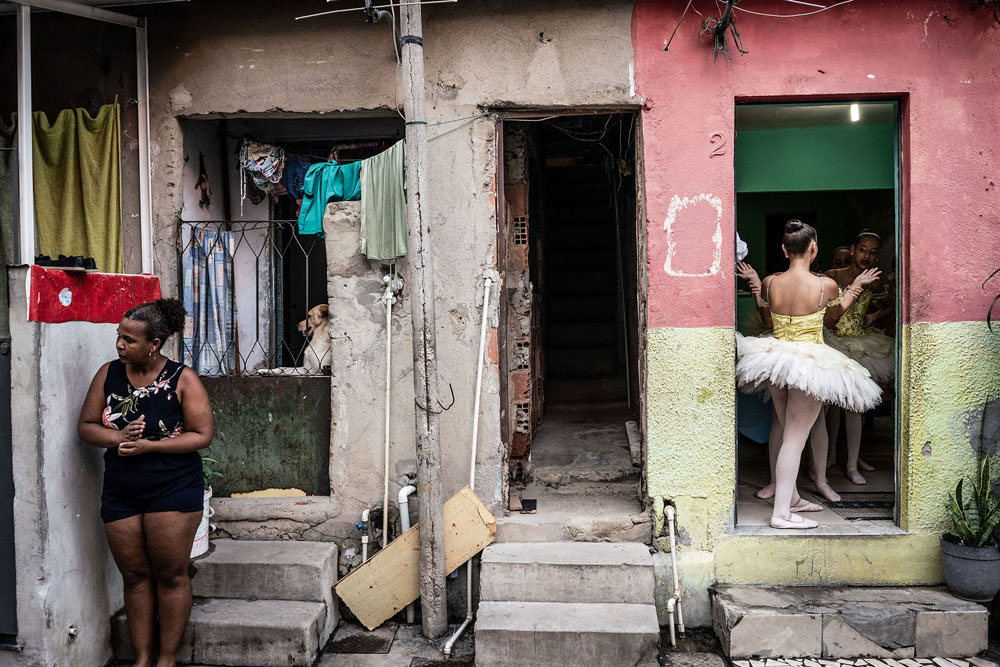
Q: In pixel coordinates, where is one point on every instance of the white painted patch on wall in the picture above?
(631, 79)
(678, 204)
(871, 76)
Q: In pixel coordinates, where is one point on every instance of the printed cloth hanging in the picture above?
(210, 328)
(78, 187)
(326, 182)
(265, 164)
(383, 203)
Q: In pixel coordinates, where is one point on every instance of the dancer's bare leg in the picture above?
(798, 413)
(852, 424)
(833, 429)
(818, 443)
(773, 445)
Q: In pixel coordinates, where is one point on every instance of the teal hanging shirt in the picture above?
(326, 182)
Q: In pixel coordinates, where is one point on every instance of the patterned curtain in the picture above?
(210, 335)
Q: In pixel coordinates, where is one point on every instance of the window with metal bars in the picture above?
(248, 287)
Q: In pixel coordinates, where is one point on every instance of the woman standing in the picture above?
(800, 371)
(151, 415)
(855, 336)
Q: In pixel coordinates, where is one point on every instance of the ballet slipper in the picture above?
(864, 466)
(793, 522)
(856, 477)
(806, 506)
(827, 492)
(766, 493)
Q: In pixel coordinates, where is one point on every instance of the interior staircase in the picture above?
(256, 603)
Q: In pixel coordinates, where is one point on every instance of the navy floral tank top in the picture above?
(158, 402)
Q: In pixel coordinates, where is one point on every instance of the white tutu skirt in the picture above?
(872, 349)
(817, 369)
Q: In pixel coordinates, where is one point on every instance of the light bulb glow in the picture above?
(855, 113)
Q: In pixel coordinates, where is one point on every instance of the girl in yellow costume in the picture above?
(856, 338)
(800, 371)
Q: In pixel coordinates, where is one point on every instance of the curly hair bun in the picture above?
(173, 313)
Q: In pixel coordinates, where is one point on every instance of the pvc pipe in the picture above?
(675, 598)
(487, 282)
(364, 536)
(388, 298)
(404, 522)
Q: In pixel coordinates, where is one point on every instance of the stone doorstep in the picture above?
(859, 662)
(567, 572)
(267, 570)
(569, 517)
(846, 622)
(242, 633)
(516, 634)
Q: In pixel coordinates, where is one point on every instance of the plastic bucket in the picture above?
(200, 545)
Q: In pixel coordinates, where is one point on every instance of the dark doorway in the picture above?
(573, 280)
(8, 598)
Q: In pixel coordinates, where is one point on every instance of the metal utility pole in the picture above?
(433, 601)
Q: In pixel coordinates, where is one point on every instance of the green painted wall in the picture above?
(841, 157)
(691, 427)
(949, 371)
(270, 433)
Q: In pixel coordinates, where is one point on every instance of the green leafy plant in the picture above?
(976, 518)
(207, 472)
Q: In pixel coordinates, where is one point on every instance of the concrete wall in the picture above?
(252, 58)
(936, 57)
(65, 576)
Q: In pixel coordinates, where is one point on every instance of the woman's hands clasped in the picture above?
(131, 440)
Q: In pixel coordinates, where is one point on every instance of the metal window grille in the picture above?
(248, 287)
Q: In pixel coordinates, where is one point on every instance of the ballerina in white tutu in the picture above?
(799, 370)
(855, 336)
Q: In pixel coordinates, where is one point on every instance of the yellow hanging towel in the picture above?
(78, 187)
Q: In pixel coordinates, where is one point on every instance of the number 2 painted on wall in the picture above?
(720, 139)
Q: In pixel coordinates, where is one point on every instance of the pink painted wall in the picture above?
(938, 57)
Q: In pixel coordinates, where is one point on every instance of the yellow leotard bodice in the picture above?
(851, 323)
(799, 328)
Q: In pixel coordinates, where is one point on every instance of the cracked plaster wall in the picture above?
(239, 58)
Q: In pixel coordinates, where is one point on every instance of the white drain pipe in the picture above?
(364, 536)
(404, 524)
(387, 298)
(487, 282)
(675, 599)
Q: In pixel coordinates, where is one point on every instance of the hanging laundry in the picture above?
(383, 204)
(265, 164)
(77, 181)
(326, 182)
(295, 174)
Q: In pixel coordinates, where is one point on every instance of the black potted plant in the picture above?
(970, 556)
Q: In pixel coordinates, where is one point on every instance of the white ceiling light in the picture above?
(855, 113)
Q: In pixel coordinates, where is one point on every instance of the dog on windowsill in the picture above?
(316, 356)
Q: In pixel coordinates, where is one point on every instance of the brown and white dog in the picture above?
(316, 354)
(316, 328)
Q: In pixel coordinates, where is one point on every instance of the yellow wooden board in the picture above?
(390, 580)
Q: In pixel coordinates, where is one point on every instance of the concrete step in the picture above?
(585, 282)
(581, 336)
(585, 309)
(580, 364)
(523, 634)
(556, 259)
(567, 572)
(595, 391)
(242, 633)
(846, 622)
(267, 570)
(568, 517)
(585, 236)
